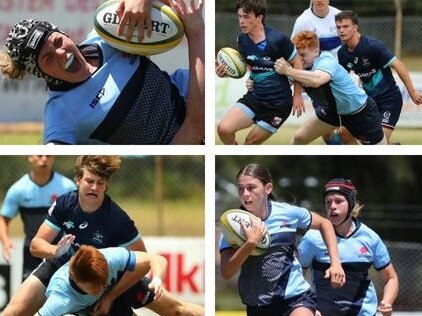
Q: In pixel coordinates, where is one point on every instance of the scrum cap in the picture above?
(24, 44)
(344, 187)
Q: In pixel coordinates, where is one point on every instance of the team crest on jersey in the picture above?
(364, 252)
(97, 238)
(50, 210)
(365, 61)
(69, 224)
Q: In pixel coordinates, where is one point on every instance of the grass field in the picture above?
(285, 133)
(185, 218)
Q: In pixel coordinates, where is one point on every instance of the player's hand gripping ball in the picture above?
(167, 30)
(233, 232)
(233, 62)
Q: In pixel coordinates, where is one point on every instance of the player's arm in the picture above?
(41, 244)
(314, 79)
(335, 272)
(144, 262)
(403, 73)
(138, 245)
(4, 237)
(298, 107)
(391, 289)
(192, 130)
(231, 260)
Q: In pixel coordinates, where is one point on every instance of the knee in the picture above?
(223, 129)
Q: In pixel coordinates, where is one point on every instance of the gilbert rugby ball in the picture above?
(233, 62)
(233, 231)
(167, 30)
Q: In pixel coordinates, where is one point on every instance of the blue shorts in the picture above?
(389, 105)
(365, 125)
(280, 307)
(269, 117)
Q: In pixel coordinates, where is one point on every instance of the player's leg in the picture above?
(28, 299)
(169, 305)
(346, 137)
(257, 136)
(301, 311)
(234, 120)
(310, 130)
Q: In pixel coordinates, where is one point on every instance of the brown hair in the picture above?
(348, 15)
(306, 39)
(9, 68)
(259, 172)
(259, 7)
(102, 166)
(88, 265)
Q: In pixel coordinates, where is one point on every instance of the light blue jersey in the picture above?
(277, 273)
(358, 252)
(63, 298)
(32, 201)
(340, 92)
(75, 116)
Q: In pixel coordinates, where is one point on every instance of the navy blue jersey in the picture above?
(371, 62)
(269, 86)
(358, 252)
(109, 226)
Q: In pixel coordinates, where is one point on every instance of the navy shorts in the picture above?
(29, 262)
(281, 307)
(327, 115)
(365, 125)
(273, 115)
(47, 268)
(389, 105)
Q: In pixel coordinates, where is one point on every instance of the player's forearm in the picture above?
(404, 76)
(391, 289)
(329, 237)
(193, 129)
(305, 77)
(4, 231)
(41, 248)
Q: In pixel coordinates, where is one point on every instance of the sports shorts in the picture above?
(29, 262)
(283, 307)
(365, 124)
(269, 117)
(389, 105)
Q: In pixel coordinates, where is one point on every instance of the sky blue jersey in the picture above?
(340, 92)
(277, 273)
(106, 108)
(32, 201)
(358, 252)
(63, 298)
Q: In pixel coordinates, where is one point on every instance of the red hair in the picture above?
(306, 39)
(88, 265)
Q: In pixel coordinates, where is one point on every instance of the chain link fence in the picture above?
(164, 195)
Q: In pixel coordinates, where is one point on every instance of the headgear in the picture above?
(344, 187)
(24, 44)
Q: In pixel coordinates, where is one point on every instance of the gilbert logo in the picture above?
(34, 39)
(157, 26)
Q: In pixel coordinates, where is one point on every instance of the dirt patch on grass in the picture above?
(21, 127)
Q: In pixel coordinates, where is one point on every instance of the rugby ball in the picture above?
(167, 29)
(234, 234)
(233, 61)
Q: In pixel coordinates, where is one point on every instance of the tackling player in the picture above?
(270, 103)
(31, 196)
(372, 61)
(98, 95)
(105, 274)
(272, 284)
(341, 101)
(85, 217)
(359, 248)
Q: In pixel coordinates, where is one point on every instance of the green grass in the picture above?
(406, 136)
(178, 218)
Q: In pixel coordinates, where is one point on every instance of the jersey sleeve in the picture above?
(306, 250)
(304, 217)
(125, 237)
(288, 50)
(56, 215)
(59, 124)
(326, 64)
(56, 304)
(341, 58)
(11, 203)
(381, 255)
(119, 260)
(382, 54)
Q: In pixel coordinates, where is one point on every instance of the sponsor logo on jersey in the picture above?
(349, 65)
(285, 224)
(97, 98)
(266, 58)
(252, 57)
(69, 224)
(364, 252)
(83, 225)
(53, 197)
